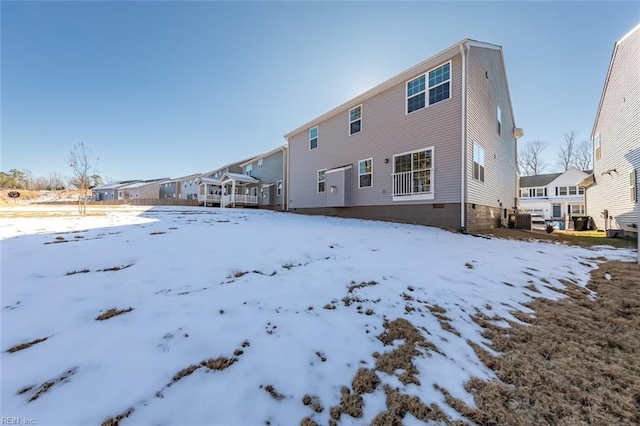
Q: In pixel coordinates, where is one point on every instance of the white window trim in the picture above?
(597, 150)
(279, 187)
(499, 114)
(353, 121)
(362, 174)
(318, 181)
(425, 195)
(426, 88)
(633, 188)
(317, 138)
(260, 164)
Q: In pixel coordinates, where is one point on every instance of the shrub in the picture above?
(549, 228)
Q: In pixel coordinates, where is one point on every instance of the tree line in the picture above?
(570, 154)
(24, 179)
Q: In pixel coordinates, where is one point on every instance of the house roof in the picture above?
(235, 163)
(212, 181)
(178, 179)
(144, 183)
(240, 177)
(538, 180)
(401, 78)
(113, 185)
(606, 81)
(265, 155)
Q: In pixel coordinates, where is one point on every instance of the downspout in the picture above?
(286, 187)
(284, 181)
(463, 158)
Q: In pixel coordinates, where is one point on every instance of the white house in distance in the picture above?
(553, 195)
(109, 191)
(149, 189)
(612, 191)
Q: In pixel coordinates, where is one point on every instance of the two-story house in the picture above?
(612, 192)
(270, 169)
(553, 195)
(210, 188)
(434, 145)
(182, 188)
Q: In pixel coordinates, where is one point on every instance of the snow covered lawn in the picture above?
(192, 316)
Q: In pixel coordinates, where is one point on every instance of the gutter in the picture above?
(463, 152)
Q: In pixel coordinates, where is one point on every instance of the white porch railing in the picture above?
(209, 198)
(238, 198)
(403, 184)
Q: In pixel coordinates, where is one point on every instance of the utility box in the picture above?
(520, 221)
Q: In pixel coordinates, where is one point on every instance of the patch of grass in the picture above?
(314, 402)
(79, 271)
(274, 394)
(353, 286)
(398, 405)
(157, 233)
(23, 346)
(46, 386)
(185, 372)
(112, 312)
(322, 356)
(219, 363)
(365, 381)
(288, 265)
(115, 421)
(576, 363)
(116, 268)
(238, 273)
(578, 238)
(468, 265)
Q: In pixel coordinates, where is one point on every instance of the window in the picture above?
(249, 169)
(573, 190)
(633, 192)
(412, 172)
(355, 119)
(524, 193)
(499, 115)
(581, 190)
(562, 190)
(321, 179)
(313, 138)
(576, 209)
(260, 163)
(478, 162)
(439, 84)
(279, 187)
(596, 147)
(365, 173)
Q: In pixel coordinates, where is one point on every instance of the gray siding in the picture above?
(272, 171)
(386, 130)
(487, 89)
(618, 124)
(338, 188)
(168, 190)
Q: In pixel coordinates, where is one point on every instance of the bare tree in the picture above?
(80, 161)
(583, 155)
(530, 157)
(56, 181)
(567, 152)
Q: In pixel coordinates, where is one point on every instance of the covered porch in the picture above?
(209, 191)
(238, 190)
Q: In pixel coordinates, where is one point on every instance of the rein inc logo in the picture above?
(17, 421)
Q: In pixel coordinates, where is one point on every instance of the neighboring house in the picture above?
(182, 188)
(553, 195)
(148, 189)
(209, 184)
(434, 145)
(270, 169)
(169, 189)
(109, 191)
(612, 194)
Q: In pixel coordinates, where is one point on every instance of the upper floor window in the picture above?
(365, 173)
(581, 190)
(249, 169)
(437, 82)
(313, 137)
(478, 162)
(562, 190)
(499, 115)
(524, 193)
(355, 119)
(322, 177)
(573, 190)
(260, 163)
(596, 147)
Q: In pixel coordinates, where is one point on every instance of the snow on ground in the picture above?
(205, 283)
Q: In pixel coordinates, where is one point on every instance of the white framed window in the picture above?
(260, 164)
(562, 190)
(279, 187)
(436, 81)
(413, 172)
(365, 173)
(249, 169)
(499, 116)
(539, 192)
(478, 162)
(576, 209)
(633, 191)
(524, 193)
(322, 177)
(355, 119)
(573, 190)
(581, 190)
(313, 137)
(596, 147)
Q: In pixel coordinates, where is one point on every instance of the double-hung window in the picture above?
(437, 82)
(596, 147)
(524, 193)
(249, 169)
(365, 173)
(581, 190)
(322, 177)
(260, 163)
(313, 137)
(573, 190)
(478, 162)
(355, 119)
(412, 173)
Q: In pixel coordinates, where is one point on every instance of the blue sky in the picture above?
(165, 89)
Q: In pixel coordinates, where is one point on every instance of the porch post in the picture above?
(233, 192)
(205, 194)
